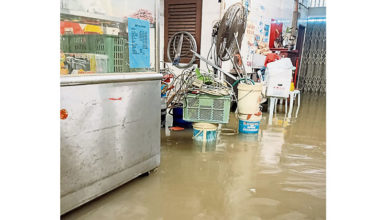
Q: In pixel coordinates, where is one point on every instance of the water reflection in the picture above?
(205, 146)
(276, 174)
(270, 150)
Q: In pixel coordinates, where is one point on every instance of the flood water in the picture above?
(278, 174)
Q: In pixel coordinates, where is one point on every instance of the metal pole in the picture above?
(239, 51)
(300, 60)
(294, 25)
(213, 65)
(157, 34)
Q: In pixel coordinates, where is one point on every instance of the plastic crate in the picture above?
(115, 47)
(206, 108)
(64, 44)
(121, 55)
(101, 63)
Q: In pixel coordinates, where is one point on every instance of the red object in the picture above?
(273, 34)
(281, 50)
(296, 71)
(271, 58)
(63, 114)
(75, 27)
(176, 128)
(168, 76)
(115, 99)
(250, 115)
(258, 113)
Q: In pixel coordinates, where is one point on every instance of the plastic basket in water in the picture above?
(115, 47)
(206, 108)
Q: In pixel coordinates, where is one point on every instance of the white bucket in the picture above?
(205, 132)
(249, 98)
(252, 117)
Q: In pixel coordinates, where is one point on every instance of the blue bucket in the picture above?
(199, 132)
(178, 118)
(248, 127)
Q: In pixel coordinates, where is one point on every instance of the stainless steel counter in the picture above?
(111, 133)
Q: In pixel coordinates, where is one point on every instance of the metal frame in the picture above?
(109, 78)
(213, 65)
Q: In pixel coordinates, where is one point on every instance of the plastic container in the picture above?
(279, 77)
(249, 98)
(101, 63)
(115, 47)
(249, 126)
(205, 132)
(178, 119)
(207, 108)
(279, 84)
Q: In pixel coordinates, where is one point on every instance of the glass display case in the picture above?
(108, 36)
(110, 96)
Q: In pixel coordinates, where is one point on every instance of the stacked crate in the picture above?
(115, 47)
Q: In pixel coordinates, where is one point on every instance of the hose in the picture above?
(237, 81)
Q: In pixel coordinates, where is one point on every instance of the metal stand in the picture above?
(213, 65)
(239, 52)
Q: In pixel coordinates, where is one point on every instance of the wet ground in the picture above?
(277, 174)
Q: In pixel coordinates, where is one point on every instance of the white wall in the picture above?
(260, 14)
(161, 20)
(211, 14)
(260, 10)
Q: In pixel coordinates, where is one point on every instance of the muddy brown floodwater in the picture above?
(277, 174)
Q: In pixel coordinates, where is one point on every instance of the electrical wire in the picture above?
(226, 39)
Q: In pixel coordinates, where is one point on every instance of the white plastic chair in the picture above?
(293, 94)
(273, 102)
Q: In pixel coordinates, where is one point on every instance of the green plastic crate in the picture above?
(121, 55)
(115, 47)
(64, 43)
(206, 108)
